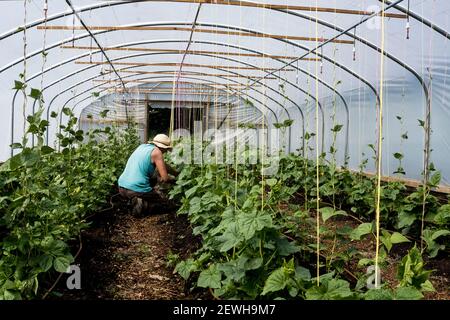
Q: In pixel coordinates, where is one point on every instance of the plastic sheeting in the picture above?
(348, 75)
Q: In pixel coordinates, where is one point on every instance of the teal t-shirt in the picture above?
(139, 169)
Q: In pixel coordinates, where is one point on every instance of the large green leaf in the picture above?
(234, 269)
(285, 247)
(443, 215)
(11, 295)
(62, 263)
(46, 262)
(397, 237)
(276, 281)
(328, 212)
(408, 293)
(435, 178)
(252, 222)
(47, 150)
(184, 268)
(302, 273)
(253, 264)
(230, 238)
(210, 278)
(191, 191)
(30, 157)
(361, 230)
(440, 233)
(334, 289)
(379, 294)
(35, 93)
(405, 219)
(19, 85)
(337, 128)
(430, 237)
(427, 286)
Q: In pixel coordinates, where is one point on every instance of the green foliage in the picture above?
(252, 249)
(401, 293)
(210, 278)
(328, 212)
(361, 230)
(430, 237)
(411, 271)
(331, 289)
(389, 239)
(47, 195)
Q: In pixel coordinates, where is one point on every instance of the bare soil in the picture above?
(126, 257)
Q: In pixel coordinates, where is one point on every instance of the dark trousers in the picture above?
(152, 196)
(155, 200)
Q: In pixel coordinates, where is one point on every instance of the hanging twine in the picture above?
(379, 151)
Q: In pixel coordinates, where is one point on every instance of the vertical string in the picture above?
(172, 107)
(237, 120)
(263, 114)
(380, 142)
(317, 153)
(25, 100)
(44, 54)
(427, 128)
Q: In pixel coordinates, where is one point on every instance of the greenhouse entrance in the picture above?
(302, 149)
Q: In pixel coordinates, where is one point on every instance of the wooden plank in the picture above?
(408, 182)
(211, 93)
(174, 64)
(187, 73)
(190, 52)
(201, 30)
(292, 7)
(231, 85)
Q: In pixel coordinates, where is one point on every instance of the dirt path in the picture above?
(125, 257)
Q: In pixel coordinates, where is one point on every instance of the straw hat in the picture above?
(162, 141)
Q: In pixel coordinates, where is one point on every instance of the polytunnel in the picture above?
(358, 86)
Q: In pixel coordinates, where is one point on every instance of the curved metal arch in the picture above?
(291, 43)
(427, 126)
(57, 16)
(157, 77)
(79, 56)
(96, 86)
(83, 55)
(257, 81)
(263, 84)
(199, 24)
(367, 43)
(236, 95)
(279, 60)
(324, 23)
(417, 17)
(420, 19)
(234, 28)
(231, 46)
(203, 42)
(154, 77)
